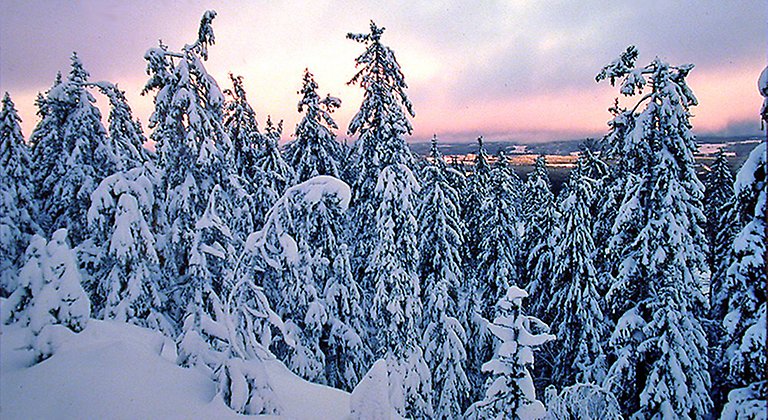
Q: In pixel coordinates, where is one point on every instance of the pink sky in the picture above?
(508, 70)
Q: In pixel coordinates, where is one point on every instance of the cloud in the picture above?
(470, 66)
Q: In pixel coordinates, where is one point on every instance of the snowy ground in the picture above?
(119, 371)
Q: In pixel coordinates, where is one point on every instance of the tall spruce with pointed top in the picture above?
(499, 246)
(497, 267)
(315, 150)
(242, 129)
(541, 219)
(661, 245)
(474, 195)
(440, 247)
(70, 154)
(280, 174)
(718, 197)
(745, 323)
(17, 208)
(575, 308)
(510, 393)
(380, 125)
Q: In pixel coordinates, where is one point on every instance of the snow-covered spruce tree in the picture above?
(126, 138)
(346, 350)
(396, 306)
(61, 299)
(29, 283)
(497, 267)
(541, 220)
(192, 147)
(211, 259)
(241, 378)
(474, 195)
(745, 323)
(370, 398)
(380, 125)
(658, 235)
(126, 268)
(314, 151)
(293, 250)
(272, 175)
(440, 246)
(251, 197)
(17, 208)
(70, 154)
(510, 393)
(499, 247)
(718, 196)
(575, 309)
(242, 129)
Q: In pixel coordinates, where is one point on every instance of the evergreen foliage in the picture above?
(542, 231)
(396, 304)
(440, 246)
(17, 205)
(380, 125)
(510, 393)
(315, 150)
(575, 309)
(70, 153)
(745, 323)
(659, 237)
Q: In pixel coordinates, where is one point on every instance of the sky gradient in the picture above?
(509, 70)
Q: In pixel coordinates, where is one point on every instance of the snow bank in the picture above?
(116, 370)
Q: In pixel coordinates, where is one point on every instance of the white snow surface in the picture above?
(120, 371)
(314, 189)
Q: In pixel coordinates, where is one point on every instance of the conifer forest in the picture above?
(271, 269)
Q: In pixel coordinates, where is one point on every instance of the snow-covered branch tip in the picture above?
(374, 36)
(205, 36)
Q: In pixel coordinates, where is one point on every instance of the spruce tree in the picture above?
(510, 393)
(242, 129)
(541, 219)
(396, 304)
(17, 207)
(499, 246)
(661, 244)
(745, 322)
(211, 260)
(126, 138)
(380, 125)
(193, 150)
(474, 196)
(440, 247)
(300, 238)
(718, 196)
(70, 154)
(60, 299)
(126, 268)
(345, 341)
(575, 309)
(314, 151)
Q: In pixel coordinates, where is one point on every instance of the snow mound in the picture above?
(120, 371)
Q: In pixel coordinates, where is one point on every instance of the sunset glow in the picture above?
(517, 71)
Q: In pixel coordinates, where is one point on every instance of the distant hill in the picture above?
(561, 154)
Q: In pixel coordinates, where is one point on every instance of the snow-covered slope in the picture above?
(119, 371)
